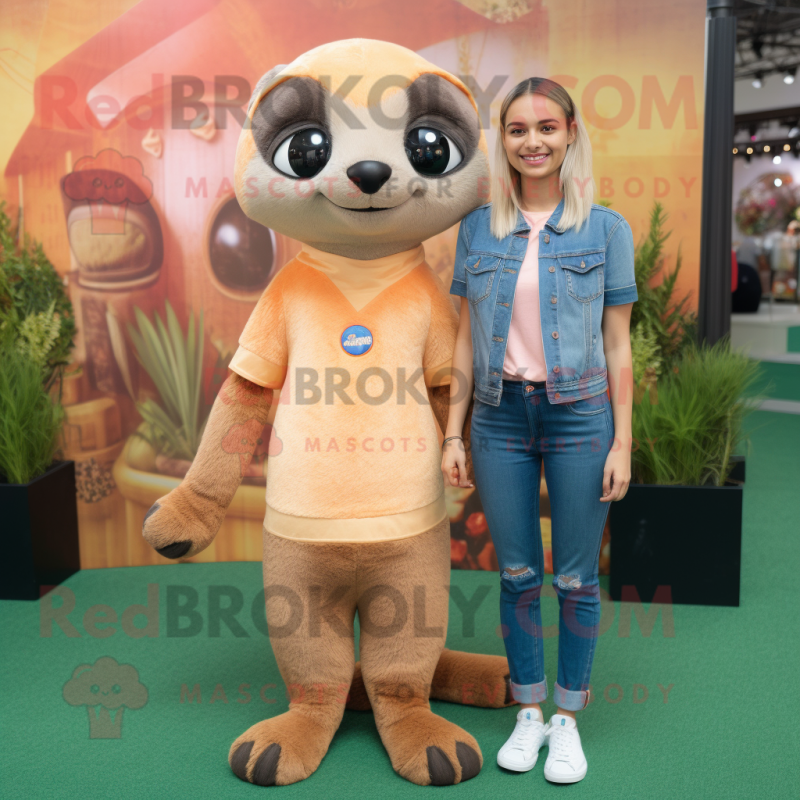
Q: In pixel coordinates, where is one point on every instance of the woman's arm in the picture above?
(454, 464)
(616, 327)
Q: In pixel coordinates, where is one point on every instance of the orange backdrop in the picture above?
(97, 85)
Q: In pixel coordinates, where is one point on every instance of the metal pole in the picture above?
(714, 308)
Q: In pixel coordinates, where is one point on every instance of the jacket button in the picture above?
(547, 238)
(551, 269)
(556, 368)
(529, 388)
(497, 338)
(555, 334)
(553, 299)
(583, 263)
(557, 395)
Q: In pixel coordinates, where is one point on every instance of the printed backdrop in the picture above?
(117, 150)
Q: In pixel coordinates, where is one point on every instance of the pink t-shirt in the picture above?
(524, 349)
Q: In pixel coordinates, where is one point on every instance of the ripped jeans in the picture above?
(509, 444)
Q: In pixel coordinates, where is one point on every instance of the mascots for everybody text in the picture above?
(361, 150)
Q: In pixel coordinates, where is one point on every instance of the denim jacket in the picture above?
(579, 273)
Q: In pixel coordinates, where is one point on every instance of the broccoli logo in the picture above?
(105, 688)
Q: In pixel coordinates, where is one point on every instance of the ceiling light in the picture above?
(749, 151)
(758, 80)
(788, 76)
(766, 148)
(776, 160)
(778, 182)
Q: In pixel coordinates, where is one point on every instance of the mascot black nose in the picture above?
(369, 176)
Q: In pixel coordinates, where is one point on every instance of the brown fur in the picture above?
(401, 643)
(194, 510)
(403, 666)
(397, 675)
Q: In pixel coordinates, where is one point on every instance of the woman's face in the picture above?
(536, 136)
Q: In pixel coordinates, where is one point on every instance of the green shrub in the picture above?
(689, 430)
(645, 353)
(657, 310)
(30, 422)
(35, 310)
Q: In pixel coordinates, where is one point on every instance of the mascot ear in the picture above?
(265, 79)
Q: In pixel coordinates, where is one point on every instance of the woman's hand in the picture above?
(616, 475)
(454, 464)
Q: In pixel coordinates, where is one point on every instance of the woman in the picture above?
(547, 285)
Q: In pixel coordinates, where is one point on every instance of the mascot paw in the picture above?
(279, 751)
(181, 524)
(428, 750)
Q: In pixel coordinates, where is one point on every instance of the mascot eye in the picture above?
(303, 154)
(431, 152)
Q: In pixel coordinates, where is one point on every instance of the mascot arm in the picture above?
(185, 521)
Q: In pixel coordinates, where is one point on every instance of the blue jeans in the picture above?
(509, 444)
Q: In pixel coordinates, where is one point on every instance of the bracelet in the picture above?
(449, 438)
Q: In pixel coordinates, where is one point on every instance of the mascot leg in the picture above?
(310, 601)
(402, 610)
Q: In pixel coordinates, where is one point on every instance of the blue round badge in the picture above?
(356, 340)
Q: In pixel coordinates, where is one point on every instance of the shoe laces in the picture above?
(526, 733)
(562, 742)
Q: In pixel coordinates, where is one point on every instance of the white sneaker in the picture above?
(565, 760)
(522, 748)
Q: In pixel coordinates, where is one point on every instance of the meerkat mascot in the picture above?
(360, 150)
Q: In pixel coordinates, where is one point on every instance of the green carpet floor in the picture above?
(778, 381)
(728, 727)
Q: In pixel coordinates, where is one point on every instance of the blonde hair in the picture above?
(575, 177)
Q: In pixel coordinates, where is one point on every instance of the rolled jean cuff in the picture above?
(571, 701)
(529, 692)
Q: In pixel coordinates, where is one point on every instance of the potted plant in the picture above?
(676, 536)
(37, 490)
(159, 453)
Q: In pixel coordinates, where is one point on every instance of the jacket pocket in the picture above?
(584, 275)
(480, 271)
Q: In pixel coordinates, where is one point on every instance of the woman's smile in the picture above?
(535, 159)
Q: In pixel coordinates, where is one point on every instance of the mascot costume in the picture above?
(360, 150)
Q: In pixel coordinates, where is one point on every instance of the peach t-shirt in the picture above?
(360, 463)
(524, 349)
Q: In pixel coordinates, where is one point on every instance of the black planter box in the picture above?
(685, 539)
(40, 532)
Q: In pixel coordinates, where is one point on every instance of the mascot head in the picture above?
(361, 148)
